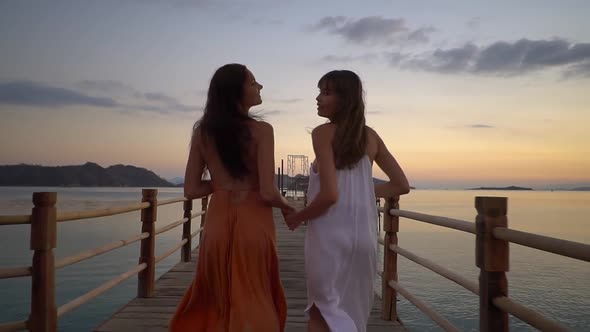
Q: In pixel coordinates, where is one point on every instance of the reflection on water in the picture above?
(551, 284)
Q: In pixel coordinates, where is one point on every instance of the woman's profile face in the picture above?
(251, 95)
(327, 101)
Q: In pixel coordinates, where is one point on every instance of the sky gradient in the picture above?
(463, 93)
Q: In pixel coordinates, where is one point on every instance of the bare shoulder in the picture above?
(372, 134)
(324, 131)
(261, 129)
(262, 125)
(374, 143)
(197, 137)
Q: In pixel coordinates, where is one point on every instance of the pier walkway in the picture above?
(153, 314)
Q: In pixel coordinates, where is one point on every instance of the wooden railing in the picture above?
(491, 248)
(43, 220)
(492, 237)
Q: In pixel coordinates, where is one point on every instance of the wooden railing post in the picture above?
(204, 203)
(145, 284)
(186, 231)
(492, 257)
(391, 227)
(43, 317)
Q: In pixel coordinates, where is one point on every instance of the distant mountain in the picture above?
(581, 189)
(87, 175)
(501, 188)
(177, 180)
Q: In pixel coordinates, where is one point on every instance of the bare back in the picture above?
(220, 177)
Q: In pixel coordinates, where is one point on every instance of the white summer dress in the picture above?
(341, 250)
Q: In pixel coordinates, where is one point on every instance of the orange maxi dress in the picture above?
(237, 286)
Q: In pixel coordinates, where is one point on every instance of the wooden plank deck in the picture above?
(153, 314)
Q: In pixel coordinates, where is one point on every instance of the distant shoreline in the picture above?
(501, 188)
(583, 189)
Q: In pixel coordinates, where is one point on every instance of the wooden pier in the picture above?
(153, 314)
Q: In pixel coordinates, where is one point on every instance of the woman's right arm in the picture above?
(322, 137)
(266, 168)
(398, 183)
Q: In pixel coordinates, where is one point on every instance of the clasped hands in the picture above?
(290, 216)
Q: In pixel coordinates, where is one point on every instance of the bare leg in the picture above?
(316, 321)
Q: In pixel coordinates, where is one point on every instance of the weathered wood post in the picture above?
(145, 285)
(186, 231)
(43, 317)
(492, 258)
(391, 227)
(204, 203)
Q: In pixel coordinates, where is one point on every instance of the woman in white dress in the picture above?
(341, 236)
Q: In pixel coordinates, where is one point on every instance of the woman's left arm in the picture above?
(194, 185)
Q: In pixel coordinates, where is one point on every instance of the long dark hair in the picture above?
(350, 138)
(224, 122)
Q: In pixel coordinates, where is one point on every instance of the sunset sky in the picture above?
(464, 93)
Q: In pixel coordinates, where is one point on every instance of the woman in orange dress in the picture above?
(237, 286)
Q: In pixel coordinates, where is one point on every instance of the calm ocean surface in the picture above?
(556, 286)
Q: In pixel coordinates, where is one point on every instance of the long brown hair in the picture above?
(224, 122)
(350, 138)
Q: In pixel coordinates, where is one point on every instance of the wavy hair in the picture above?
(223, 120)
(350, 138)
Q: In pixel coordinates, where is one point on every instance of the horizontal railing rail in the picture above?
(15, 272)
(561, 247)
(98, 251)
(99, 290)
(492, 238)
(15, 220)
(438, 269)
(79, 215)
(457, 224)
(435, 316)
(43, 221)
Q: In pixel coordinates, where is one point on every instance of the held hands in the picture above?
(287, 211)
(289, 214)
(292, 221)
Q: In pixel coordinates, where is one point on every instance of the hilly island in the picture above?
(87, 175)
(93, 175)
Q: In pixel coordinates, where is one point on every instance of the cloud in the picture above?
(485, 126)
(501, 58)
(108, 87)
(374, 112)
(266, 113)
(286, 101)
(164, 103)
(579, 70)
(267, 21)
(160, 97)
(421, 35)
(474, 22)
(178, 4)
(27, 93)
(369, 57)
(158, 101)
(372, 30)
